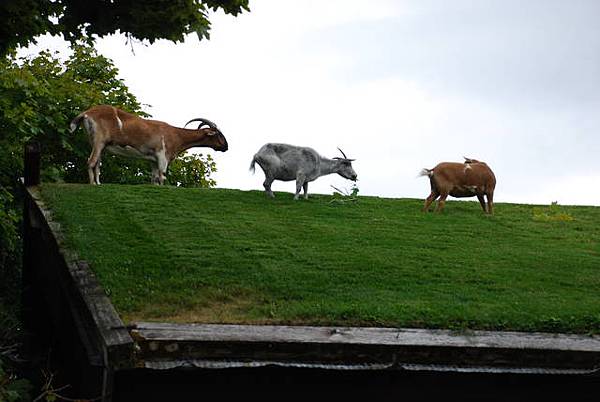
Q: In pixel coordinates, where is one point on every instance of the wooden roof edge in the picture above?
(255, 345)
(95, 315)
(366, 335)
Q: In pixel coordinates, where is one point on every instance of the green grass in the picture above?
(198, 255)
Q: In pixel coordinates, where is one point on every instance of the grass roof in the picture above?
(230, 256)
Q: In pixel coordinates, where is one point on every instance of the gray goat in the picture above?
(288, 162)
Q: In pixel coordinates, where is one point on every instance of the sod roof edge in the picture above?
(99, 326)
(167, 345)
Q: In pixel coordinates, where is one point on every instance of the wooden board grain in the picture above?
(381, 347)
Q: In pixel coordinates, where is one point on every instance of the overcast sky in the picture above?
(398, 85)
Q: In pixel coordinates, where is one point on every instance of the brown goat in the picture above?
(468, 179)
(126, 134)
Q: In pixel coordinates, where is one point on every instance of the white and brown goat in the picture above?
(468, 179)
(126, 134)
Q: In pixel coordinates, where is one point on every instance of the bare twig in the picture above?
(53, 393)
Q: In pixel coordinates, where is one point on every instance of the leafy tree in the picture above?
(22, 20)
(192, 170)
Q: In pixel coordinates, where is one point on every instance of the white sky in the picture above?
(398, 85)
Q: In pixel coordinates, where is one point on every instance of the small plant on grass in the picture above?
(553, 213)
(345, 195)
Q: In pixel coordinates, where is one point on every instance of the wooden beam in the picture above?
(86, 296)
(62, 291)
(31, 164)
(378, 347)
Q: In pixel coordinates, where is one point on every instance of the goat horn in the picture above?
(345, 157)
(470, 160)
(203, 121)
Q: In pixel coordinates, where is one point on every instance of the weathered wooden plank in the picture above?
(380, 347)
(365, 335)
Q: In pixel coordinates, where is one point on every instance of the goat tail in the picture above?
(76, 122)
(252, 168)
(426, 172)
